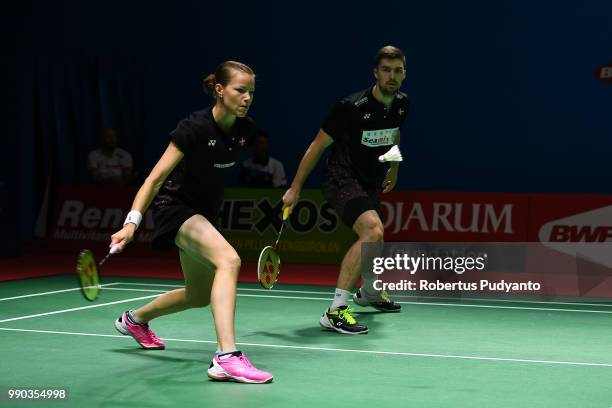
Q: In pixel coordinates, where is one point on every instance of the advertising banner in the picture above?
(455, 217)
(251, 218)
(86, 216)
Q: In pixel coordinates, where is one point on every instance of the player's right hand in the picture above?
(123, 237)
(290, 199)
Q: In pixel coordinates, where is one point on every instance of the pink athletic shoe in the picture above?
(140, 332)
(236, 367)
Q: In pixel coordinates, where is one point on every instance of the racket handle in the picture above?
(114, 249)
(285, 213)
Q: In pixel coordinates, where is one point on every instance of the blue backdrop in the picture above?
(504, 96)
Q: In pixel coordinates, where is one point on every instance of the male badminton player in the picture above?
(185, 189)
(361, 127)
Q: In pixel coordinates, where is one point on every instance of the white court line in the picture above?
(319, 298)
(544, 309)
(416, 303)
(398, 296)
(160, 291)
(330, 293)
(425, 297)
(76, 308)
(149, 284)
(248, 289)
(54, 292)
(390, 353)
(238, 294)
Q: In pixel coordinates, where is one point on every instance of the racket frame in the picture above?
(88, 275)
(268, 254)
(274, 250)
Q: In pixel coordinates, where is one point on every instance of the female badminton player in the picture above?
(185, 190)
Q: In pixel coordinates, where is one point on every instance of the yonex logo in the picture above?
(212, 142)
(367, 115)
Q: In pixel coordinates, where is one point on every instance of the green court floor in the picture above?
(436, 353)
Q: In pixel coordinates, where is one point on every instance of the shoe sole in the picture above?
(242, 380)
(123, 331)
(326, 325)
(387, 310)
(364, 303)
(217, 373)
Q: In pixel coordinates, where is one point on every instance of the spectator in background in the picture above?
(261, 170)
(109, 164)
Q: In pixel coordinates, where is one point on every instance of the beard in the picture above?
(388, 90)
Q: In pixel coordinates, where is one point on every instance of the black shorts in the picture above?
(168, 221)
(347, 196)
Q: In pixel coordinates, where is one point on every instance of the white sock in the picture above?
(224, 354)
(340, 298)
(131, 317)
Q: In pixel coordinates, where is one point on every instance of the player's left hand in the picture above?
(390, 181)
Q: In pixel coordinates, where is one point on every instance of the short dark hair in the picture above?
(389, 52)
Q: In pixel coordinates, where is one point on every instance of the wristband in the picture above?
(133, 217)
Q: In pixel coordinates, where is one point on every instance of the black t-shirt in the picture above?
(198, 180)
(363, 129)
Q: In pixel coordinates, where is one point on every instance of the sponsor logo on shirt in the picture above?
(212, 142)
(224, 165)
(380, 137)
(367, 115)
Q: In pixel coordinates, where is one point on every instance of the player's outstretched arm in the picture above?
(149, 189)
(309, 161)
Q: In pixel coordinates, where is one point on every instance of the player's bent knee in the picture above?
(230, 262)
(235, 262)
(371, 231)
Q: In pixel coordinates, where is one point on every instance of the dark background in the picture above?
(504, 95)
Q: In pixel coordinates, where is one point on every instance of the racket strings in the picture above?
(89, 279)
(268, 267)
